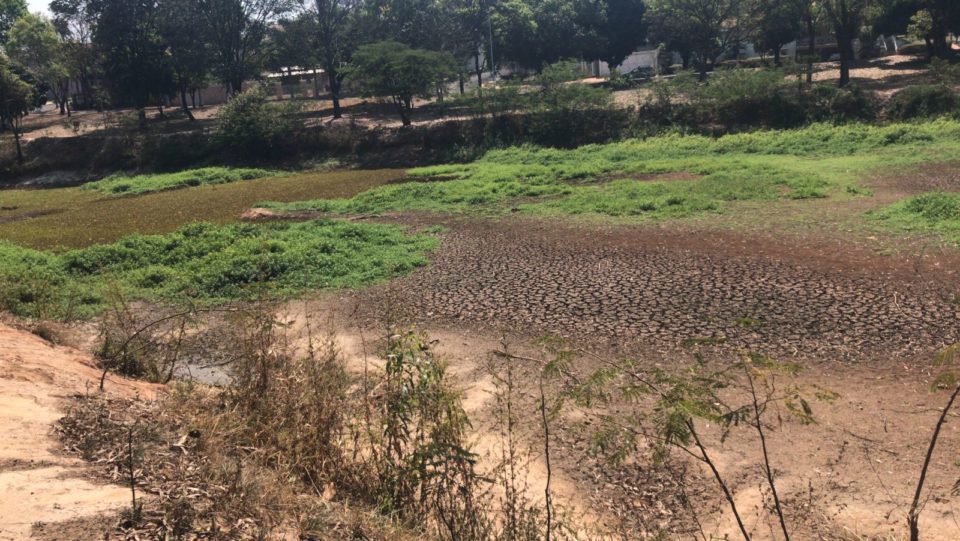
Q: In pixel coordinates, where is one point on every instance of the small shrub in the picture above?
(829, 103)
(251, 126)
(921, 101)
(741, 97)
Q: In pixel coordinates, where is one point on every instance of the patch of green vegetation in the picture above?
(933, 212)
(748, 322)
(811, 162)
(207, 263)
(140, 184)
(74, 217)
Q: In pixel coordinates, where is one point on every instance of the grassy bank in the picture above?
(207, 263)
(622, 179)
(141, 184)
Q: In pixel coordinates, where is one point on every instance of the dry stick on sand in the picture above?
(913, 517)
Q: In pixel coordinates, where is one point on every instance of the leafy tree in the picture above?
(703, 30)
(389, 69)
(847, 18)
(34, 43)
(10, 11)
(127, 36)
(623, 30)
(515, 32)
(336, 40)
(778, 23)
(291, 44)
(74, 21)
(469, 26)
(181, 30)
(236, 30)
(16, 100)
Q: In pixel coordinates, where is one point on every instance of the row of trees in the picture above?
(138, 51)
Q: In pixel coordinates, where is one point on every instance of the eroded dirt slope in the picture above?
(38, 486)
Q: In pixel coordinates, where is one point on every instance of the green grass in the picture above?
(934, 212)
(74, 217)
(812, 162)
(207, 263)
(140, 184)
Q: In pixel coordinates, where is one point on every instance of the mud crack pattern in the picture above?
(620, 287)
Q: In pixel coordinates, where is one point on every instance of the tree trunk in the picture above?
(812, 42)
(477, 67)
(334, 90)
(460, 77)
(776, 56)
(684, 60)
(236, 85)
(16, 138)
(142, 116)
(846, 55)
(183, 103)
(403, 107)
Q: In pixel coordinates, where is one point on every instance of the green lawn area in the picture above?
(207, 263)
(119, 185)
(77, 217)
(813, 162)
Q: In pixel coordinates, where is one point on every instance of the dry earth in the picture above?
(661, 287)
(38, 485)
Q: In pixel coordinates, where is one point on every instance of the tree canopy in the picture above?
(392, 70)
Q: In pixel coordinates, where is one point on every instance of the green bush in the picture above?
(921, 101)
(829, 103)
(742, 97)
(251, 126)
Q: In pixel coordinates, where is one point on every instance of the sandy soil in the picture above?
(37, 484)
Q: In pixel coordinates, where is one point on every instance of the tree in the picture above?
(335, 41)
(778, 23)
(846, 17)
(16, 100)
(623, 30)
(701, 29)
(291, 44)
(182, 31)
(389, 69)
(10, 12)
(74, 21)
(127, 36)
(469, 29)
(236, 30)
(34, 43)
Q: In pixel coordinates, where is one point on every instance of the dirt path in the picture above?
(38, 486)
